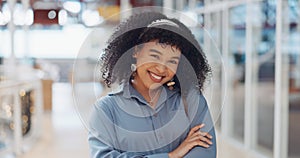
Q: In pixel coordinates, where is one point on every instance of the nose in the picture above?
(161, 68)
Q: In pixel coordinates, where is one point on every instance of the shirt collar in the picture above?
(128, 91)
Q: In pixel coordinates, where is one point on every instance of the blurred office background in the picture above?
(252, 45)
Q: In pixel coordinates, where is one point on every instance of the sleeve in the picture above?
(202, 115)
(102, 137)
(98, 149)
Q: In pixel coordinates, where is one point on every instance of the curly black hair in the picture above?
(193, 68)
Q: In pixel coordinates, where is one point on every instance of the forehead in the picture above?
(165, 49)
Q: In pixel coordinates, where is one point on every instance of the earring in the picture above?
(171, 84)
(133, 70)
(133, 67)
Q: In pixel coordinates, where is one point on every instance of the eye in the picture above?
(154, 56)
(173, 62)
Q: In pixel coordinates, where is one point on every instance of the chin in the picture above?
(155, 85)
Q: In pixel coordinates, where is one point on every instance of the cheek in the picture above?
(172, 69)
(171, 73)
(142, 67)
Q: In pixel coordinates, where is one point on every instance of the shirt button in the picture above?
(155, 115)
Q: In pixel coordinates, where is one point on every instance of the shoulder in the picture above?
(104, 108)
(110, 100)
(105, 103)
(196, 102)
(196, 96)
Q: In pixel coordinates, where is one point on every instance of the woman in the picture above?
(159, 111)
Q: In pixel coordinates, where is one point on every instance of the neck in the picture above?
(150, 95)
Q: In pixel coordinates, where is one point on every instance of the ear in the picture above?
(135, 53)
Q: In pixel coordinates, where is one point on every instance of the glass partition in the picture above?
(263, 73)
(237, 42)
(291, 64)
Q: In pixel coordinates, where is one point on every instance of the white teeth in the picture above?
(155, 76)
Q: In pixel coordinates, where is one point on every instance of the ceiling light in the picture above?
(91, 18)
(73, 7)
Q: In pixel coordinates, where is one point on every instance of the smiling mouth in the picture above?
(155, 78)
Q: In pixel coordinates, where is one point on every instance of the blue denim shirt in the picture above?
(124, 125)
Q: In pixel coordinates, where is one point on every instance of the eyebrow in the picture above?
(155, 51)
(158, 52)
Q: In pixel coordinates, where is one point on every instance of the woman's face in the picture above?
(156, 64)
